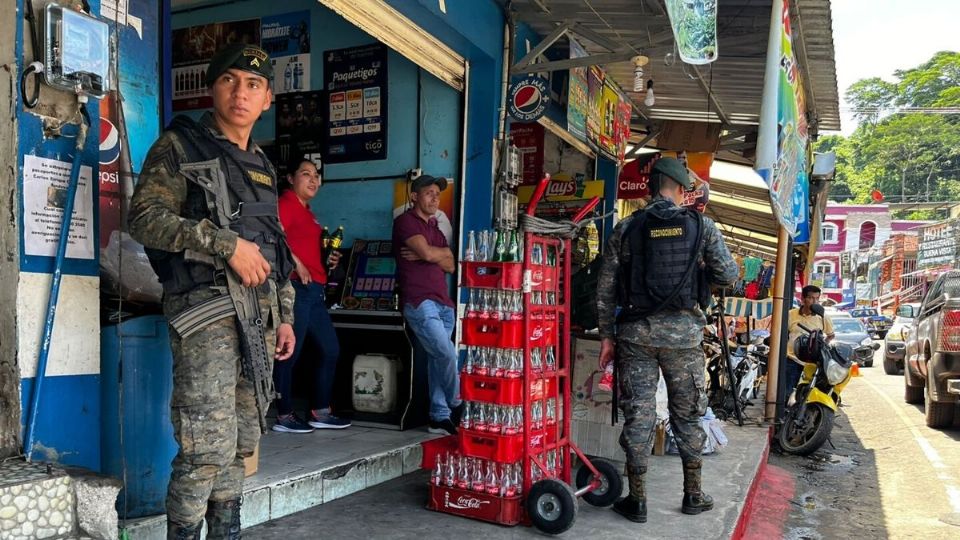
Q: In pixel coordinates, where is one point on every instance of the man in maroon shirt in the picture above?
(423, 260)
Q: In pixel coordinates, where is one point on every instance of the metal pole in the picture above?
(55, 288)
(777, 324)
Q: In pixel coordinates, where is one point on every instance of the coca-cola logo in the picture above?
(537, 333)
(538, 276)
(561, 189)
(464, 502)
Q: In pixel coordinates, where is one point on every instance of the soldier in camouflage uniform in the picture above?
(658, 268)
(213, 406)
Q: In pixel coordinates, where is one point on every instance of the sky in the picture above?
(873, 38)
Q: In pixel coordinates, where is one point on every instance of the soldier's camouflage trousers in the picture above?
(214, 415)
(638, 377)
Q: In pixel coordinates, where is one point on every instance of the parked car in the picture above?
(895, 342)
(931, 372)
(876, 323)
(851, 332)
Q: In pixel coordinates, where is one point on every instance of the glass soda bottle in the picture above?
(470, 254)
(507, 488)
(437, 475)
(491, 482)
(467, 417)
(451, 474)
(463, 473)
(476, 479)
(500, 247)
(513, 250)
(517, 472)
(494, 422)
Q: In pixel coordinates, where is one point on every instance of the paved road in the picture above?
(889, 476)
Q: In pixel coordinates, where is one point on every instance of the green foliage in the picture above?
(909, 157)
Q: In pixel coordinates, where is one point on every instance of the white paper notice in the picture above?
(44, 197)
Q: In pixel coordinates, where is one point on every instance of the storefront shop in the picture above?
(378, 91)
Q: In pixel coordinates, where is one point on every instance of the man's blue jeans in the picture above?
(432, 323)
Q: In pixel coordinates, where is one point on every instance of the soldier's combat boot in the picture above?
(176, 531)
(694, 499)
(223, 520)
(634, 505)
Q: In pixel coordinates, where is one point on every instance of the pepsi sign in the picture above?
(528, 99)
(109, 142)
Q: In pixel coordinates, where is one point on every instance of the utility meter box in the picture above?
(375, 383)
(77, 52)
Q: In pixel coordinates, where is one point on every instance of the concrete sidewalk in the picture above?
(396, 509)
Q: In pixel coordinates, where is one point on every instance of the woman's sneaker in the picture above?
(291, 424)
(328, 421)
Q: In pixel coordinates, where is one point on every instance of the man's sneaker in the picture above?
(443, 427)
(456, 413)
(291, 424)
(328, 421)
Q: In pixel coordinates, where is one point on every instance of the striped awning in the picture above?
(744, 307)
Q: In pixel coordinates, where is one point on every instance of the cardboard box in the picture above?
(250, 464)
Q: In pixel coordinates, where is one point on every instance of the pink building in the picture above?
(847, 231)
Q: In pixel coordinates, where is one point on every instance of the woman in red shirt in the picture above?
(304, 235)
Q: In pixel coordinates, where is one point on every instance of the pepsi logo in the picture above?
(528, 99)
(109, 142)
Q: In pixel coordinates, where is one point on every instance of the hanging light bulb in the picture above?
(650, 99)
(638, 63)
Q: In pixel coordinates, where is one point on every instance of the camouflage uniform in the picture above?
(668, 341)
(213, 408)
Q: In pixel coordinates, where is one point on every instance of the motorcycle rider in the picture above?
(804, 315)
(658, 266)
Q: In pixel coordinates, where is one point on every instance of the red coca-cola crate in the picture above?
(492, 275)
(543, 333)
(440, 446)
(491, 389)
(476, 505)
(541, 278)
(492, 333)
(499, 448)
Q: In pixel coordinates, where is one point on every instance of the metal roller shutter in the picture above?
(399, 33)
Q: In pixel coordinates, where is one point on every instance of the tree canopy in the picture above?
(906, 145)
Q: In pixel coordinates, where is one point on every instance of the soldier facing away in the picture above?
(658, 267)
(206, 210)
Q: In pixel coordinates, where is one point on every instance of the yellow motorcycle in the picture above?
(808, 420)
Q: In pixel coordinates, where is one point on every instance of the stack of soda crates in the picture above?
(510, 388)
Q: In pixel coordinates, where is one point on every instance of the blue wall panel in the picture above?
(68, 423)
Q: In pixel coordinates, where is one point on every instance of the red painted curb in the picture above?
(740, 530)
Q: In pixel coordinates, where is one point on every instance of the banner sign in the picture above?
(635, 176)
(356, 83)
(940, 246)
(528, 99)
(783, 138)
(594, 103)
(286, 38)
(300, 127)
(192, 49)
(528, 138)
(578, 95)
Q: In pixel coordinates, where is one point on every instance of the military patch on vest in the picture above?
(666, 232)
(260, 178)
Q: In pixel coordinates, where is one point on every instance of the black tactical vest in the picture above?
(251, 182)
(663, 269)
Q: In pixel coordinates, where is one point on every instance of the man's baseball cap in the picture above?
(673, 168)
(250, 58)
(425, 180)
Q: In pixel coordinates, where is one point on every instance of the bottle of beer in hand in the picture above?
(336, 239)
(325, 238)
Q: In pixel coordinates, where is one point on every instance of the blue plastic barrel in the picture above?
(143, 377)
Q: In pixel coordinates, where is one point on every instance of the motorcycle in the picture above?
(808, 420)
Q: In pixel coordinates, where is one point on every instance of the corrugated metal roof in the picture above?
(735, 79)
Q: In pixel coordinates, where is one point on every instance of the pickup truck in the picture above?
(931, 371)
(875, 323)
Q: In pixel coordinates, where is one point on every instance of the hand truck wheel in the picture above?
(552, 506)
(611, 483)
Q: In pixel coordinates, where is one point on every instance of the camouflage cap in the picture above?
(675, 169)
(240, 56)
